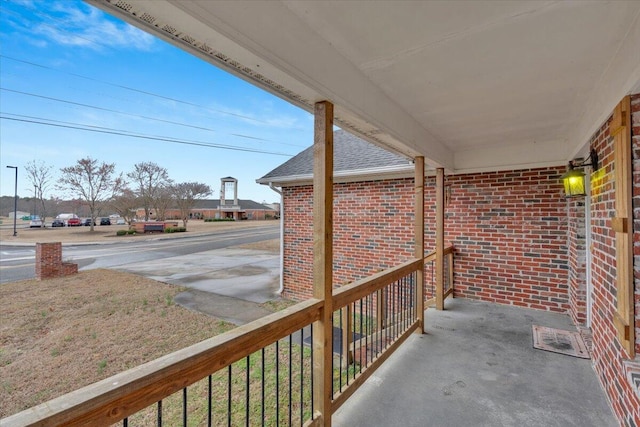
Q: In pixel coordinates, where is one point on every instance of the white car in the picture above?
(120, 221)
(36, 222)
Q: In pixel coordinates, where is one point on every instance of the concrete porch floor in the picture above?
(476, 366)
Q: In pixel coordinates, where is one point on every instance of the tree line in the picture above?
(99, 187)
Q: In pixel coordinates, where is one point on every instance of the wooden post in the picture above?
(440, 239)
(323, 258)
(622, 224)
(419, 239)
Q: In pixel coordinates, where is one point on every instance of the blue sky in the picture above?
(69, 65)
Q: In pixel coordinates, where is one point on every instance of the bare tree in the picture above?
(163, 201)
(92, 182)
(186, 194)
(125, 204)
(40, 176)
(149, 179)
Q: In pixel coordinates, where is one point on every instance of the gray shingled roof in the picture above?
(349, 153)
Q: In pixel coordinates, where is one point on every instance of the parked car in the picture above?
(74, 222)
(57, 223)
(36, 222)
(120, 221)
(105, 221)
(87, 221)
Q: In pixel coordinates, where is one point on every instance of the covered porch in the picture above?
(476, 365)
(476, 94)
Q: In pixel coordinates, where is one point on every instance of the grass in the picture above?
(100, 322)
(85, 328)
(276, 411)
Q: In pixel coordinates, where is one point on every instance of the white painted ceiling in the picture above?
(471, 85)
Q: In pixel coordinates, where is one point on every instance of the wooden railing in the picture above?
(447, 282)
(375, 316)
(261, 373)
(143, 390)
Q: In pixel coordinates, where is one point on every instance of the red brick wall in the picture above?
(608, 358)
(635, 147)
(490, 217)
(49, 262)
(577, 260)
(510, 234)
(372, 229)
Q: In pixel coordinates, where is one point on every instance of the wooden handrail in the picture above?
(361, 288)
(113, 399)
(432, 255)
(110, 400)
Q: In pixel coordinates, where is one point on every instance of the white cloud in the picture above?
(75, 24)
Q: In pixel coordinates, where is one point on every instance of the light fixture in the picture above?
(573, 179)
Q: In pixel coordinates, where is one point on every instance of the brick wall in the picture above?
(49, 262)
(635, 120)
(509, 230)
(372, 229)
(490, 218)
(608, 358)
(577, 260)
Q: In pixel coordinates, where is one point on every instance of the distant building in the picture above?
(20, 214)
(227, 206)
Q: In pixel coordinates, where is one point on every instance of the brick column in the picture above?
(48, 260)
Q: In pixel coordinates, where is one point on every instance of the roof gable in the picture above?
(352, 156)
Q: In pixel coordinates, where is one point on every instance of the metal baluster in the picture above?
(209, 404)
(262, 389)
(312, 365)
(277, 383)
(290, 376)
(361, 336)
(184, 407)
(159, 418)
(342, 352)
(229, 396)
(247, 397)
(301, 376)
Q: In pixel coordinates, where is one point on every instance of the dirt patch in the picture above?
(266, 245)
(84, 328)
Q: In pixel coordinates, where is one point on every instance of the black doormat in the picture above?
(559, 341)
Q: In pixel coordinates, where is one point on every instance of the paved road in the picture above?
(17, 263)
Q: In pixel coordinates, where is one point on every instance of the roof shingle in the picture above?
(350, 153)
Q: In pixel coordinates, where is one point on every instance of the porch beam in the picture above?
(419, 239)
(439, 239)
(323, 258)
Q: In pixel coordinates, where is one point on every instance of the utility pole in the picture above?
(15, 201)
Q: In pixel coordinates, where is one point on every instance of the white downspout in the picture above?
(281, 288)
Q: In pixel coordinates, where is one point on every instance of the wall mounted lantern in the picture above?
(573, 179)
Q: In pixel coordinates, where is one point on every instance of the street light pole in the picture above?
(15, 201)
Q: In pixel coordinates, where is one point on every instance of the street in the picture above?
(18, 262)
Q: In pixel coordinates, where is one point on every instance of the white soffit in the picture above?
(470, 85)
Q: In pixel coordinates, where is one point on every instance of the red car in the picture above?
(74, 222)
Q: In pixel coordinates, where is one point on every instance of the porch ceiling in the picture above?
(470, 85)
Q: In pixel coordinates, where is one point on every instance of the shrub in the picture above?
(131, 231)
(218, 219)
(121, 232)
(175, 230)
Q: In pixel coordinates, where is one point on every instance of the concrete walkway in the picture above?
(229, 284)
(476, 366)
